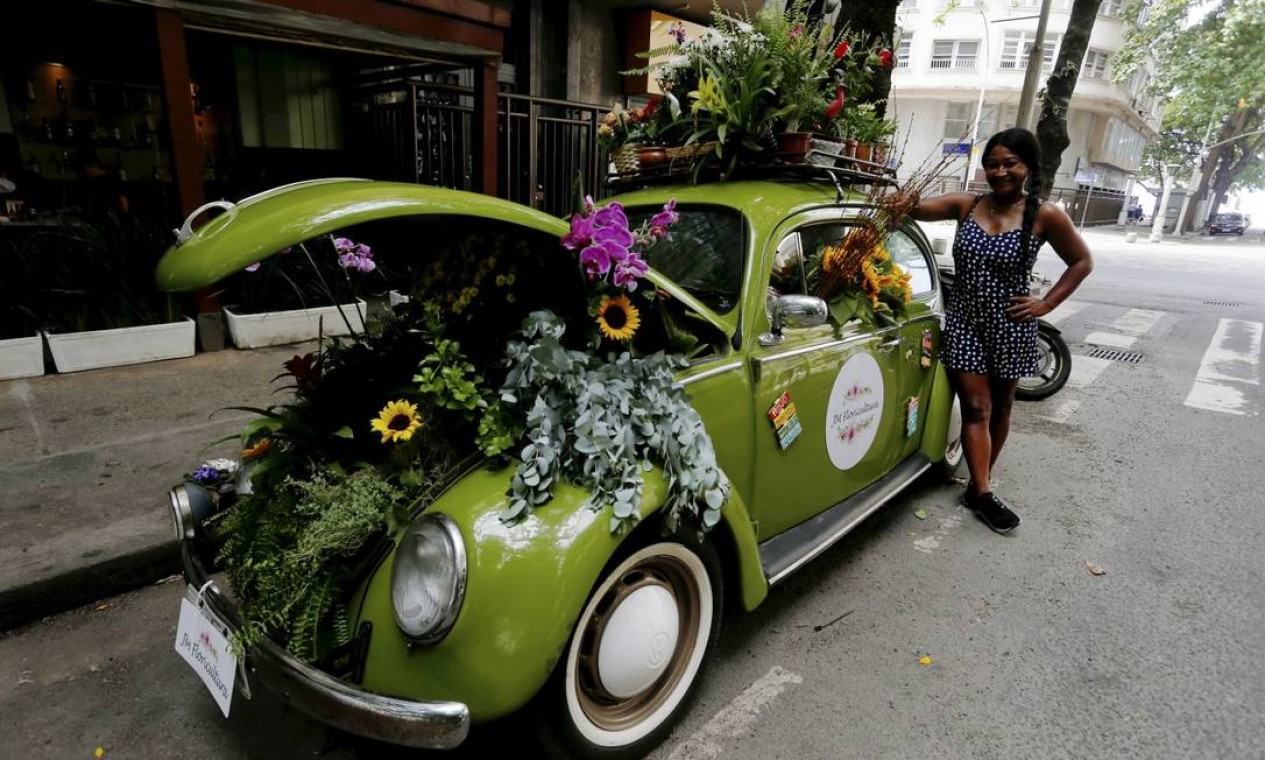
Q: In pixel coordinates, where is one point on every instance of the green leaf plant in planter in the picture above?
(93, 291)
(305, 291)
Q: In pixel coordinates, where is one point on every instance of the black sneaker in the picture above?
(994, 512)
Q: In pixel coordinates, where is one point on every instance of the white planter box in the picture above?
(21, 357)
(275, 328)
(73, 352)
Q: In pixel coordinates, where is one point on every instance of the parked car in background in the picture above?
(1231, 222)
(458, 616)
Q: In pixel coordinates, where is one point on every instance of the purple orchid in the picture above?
(343, 245)
(581, 233)
(677, 32)
(630, 270)
(667, 217)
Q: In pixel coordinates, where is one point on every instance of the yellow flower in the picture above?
(617, 318)
(882, 254)
(707, 96)
(397, 421)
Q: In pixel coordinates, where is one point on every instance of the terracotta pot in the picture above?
(793, 146)
(651, 155)
(850, 147)
(880, 153)
(865, 151)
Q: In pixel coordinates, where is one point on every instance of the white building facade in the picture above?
(952, 52)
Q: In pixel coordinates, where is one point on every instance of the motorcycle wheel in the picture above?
(1054, 366)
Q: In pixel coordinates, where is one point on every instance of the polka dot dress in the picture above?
(988, 271)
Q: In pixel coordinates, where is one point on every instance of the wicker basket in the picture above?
(625, 158)
(691, 151)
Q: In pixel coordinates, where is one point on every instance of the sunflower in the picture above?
(397, 421)
(617, 318)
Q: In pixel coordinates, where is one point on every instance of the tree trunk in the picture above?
(1052, 126)
(1224, 164)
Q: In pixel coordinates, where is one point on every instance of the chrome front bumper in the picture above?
(411, 723)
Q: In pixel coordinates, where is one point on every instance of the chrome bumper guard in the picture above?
(411, 723)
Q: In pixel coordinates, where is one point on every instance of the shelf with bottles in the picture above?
(66, 162)
(62, 109)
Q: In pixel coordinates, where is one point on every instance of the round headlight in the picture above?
(428, 579)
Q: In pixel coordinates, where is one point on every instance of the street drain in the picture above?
(1115, 355)
(1235, 304)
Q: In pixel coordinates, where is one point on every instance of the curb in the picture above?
(87, 584)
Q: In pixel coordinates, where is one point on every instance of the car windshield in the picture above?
(1229, 217)
(703, 254)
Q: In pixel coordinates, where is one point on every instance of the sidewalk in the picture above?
(86, 460)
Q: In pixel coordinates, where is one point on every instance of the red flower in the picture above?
(842, 49)
(651, 107)
(306, 371)
(836, 105)
(885, 59)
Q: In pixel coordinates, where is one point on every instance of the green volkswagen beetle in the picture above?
(496, 579)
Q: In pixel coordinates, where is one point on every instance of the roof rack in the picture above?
(816, 164)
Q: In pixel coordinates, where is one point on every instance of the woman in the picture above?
(990, 335)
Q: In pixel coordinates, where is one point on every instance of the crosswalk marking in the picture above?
(1085, 370)
(1232, 359)
(1064, 310)
(1064, 412)
(1137, 321)
(1114, 340)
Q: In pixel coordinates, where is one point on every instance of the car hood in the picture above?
(269, 222)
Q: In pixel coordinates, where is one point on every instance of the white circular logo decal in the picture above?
(855, 411)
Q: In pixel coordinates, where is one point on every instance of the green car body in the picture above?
(527, 582)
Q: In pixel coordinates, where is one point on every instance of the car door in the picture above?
(915, 355)
(825, 396)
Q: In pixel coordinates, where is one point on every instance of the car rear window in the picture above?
(704, 253)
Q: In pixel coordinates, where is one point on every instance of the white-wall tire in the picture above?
(592, 720)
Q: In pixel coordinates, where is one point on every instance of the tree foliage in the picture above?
(1210, 71)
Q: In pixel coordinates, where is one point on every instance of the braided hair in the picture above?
(1023, 144)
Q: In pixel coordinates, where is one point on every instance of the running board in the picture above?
(787, 551)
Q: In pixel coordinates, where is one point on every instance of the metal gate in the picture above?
(421, 130)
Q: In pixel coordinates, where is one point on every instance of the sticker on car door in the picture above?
(855, 411)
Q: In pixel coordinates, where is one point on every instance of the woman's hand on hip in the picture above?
(1024, 308)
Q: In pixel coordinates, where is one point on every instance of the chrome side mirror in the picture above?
(796, 312)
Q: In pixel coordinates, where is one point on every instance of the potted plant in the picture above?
(868, 128)
(304, 292)
(21, 348)
(618, 135)
(98, 303)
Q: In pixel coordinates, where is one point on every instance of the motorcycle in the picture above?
(1054, 358)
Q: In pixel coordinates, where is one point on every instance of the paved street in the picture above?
(1147, 470)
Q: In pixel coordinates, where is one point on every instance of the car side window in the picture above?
(908, 256)
(787, 277)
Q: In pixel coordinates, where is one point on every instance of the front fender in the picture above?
(526, 585)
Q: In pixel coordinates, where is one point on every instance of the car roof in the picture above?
(760, 200)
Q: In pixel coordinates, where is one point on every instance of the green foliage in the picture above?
(601, 425)
(288, 550)
(91, 276)
(448, 380)
(1209, 69)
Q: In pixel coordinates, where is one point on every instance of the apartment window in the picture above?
(954, 54)
(1109, 8)
(907, 5)
(1123, 141)
(960, 116)
(1095, 66)
(902, 50)
(1018, 44)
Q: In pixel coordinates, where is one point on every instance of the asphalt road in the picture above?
(1147, 470)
